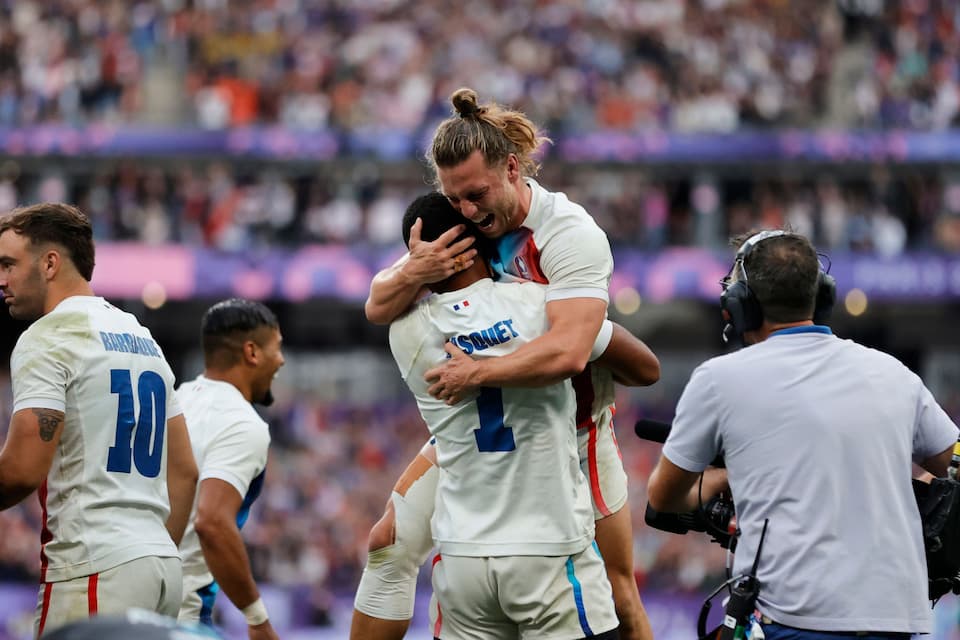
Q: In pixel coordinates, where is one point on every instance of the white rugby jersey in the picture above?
(105, 498)
(510, 480)
(230, 441)
(560, 245)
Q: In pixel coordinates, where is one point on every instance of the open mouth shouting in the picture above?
(487, 222)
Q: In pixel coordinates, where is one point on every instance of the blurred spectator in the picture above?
(691, 65)
(947, 224)
(234, 207)
(372, 68)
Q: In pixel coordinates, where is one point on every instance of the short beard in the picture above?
(267, 399)
(29, 316)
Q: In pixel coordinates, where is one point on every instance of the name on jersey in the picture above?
(499, 333)
(129, 343)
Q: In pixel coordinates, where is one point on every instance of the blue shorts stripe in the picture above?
(208, 595)
(578, 598)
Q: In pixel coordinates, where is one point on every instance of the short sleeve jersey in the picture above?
(818, 436)
(230, 442)
(105, 499)
(510, 481)
(560, 245)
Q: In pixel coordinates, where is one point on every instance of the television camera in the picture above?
(938, 502)
(716, 517)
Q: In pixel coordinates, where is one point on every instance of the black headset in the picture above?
(742, 309)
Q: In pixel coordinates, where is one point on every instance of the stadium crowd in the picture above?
(364, 66)
(234, 208)
(369, 67)
(684, 65)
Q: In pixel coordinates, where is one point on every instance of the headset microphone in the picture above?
(730, 335)
(740, 307)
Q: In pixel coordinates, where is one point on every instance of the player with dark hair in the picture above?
(241, 355)
(819, 436)
(96, 429)
(511, 502)
(484, 162)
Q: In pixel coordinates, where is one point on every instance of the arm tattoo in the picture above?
(49, 420)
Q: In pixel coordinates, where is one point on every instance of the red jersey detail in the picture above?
(519, 256)
(45, 609)
(92, 594)
(529, 254)
(595, 488)
(439, 623)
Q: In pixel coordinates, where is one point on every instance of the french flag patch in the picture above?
(462, 305)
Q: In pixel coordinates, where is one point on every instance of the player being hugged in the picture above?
(512, 506)
(483, 158)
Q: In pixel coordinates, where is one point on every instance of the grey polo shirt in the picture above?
(818, 435)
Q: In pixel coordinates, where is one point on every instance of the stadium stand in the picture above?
(371, 77)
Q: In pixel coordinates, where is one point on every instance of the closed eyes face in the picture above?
(481, 194)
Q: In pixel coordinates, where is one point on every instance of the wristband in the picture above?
(255, 613)
(603, 340)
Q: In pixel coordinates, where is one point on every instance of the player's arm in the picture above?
(579, 271)
(218, 503)
(395, 288)
(181, 477)
(28, 452)
(563, 351)
(693, 441)
(672, 489)
(629, 359)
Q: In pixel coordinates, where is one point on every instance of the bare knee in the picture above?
(620, 572)
(383, 532)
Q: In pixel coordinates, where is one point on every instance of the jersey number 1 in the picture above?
(137, 440)
(492, 434)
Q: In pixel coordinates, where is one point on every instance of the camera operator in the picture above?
(819, 435)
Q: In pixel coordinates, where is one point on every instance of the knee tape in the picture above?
(388, 585)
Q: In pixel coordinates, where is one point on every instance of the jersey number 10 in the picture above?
(137, 441)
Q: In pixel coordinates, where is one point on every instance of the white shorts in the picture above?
(523, 597)
(602, 465)
(151, 583)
